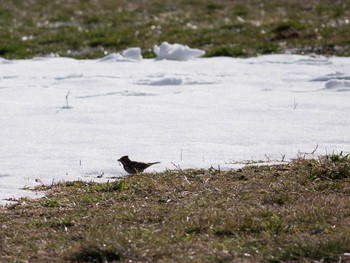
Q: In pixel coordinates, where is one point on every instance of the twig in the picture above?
(53, 180)
(295, 104)
(267, 158)
(67, 99)
(305, 153)
(283, 156)
(212, 169)
(315, 149)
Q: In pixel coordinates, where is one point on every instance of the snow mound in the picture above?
(130, 54)
(313, 61)
(112, 58)
(173, 81)
(5, 61)
(338, 85)
(289, 60)
(118, 93)
(165, 81)
(176, 52)
(69, 76)
(337, 75)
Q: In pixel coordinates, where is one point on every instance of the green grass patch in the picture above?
(91, 29)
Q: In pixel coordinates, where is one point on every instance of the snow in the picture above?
(338, 85)
(196, 114)
(133, 54)
(164, 81)
(176, 52)
(128, 55)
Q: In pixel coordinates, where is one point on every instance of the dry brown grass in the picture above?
(294, 212)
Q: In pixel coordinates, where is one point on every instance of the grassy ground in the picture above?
(295, 212)
(90, 28)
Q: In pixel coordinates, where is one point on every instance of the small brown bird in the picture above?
(133, 167)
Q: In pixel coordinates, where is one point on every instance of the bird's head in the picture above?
(124, 159)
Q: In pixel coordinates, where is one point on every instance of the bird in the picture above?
(133, 167)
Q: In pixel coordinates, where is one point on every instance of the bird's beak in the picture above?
(119, 162)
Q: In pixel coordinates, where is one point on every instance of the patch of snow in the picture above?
(165, 81)
(290, 59)
(337, 75)
(174, 81)
(176, 52)
(5, 61)
(201, 113)
(338, 85)
(112, 58)
(132, 54)
(128, 55)
(70, 76)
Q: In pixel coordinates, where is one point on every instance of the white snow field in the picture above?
(196, 113)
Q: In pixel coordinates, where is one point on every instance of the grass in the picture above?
(294, 212)
(92, 29)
